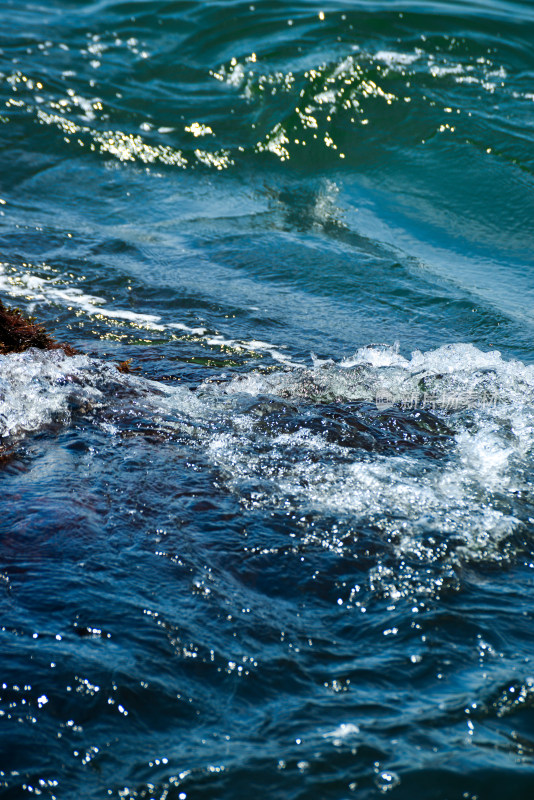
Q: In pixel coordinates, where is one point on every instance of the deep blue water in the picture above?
(291, 555)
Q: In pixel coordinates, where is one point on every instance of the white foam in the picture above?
(21, 283)
(442, 70)
(36, 387)
(25, 284)
(342, 731)
(182, 327)
(395, 59)
(252, 346)
(466, 495)
(463, 495)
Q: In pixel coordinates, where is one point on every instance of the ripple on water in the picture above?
(265, 574)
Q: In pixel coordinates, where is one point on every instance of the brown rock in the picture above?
(17, 333)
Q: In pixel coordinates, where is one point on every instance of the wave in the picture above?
(431, 453)
(366, 86)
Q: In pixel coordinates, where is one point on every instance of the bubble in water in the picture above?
(387, 780)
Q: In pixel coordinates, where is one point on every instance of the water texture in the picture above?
(291, 554)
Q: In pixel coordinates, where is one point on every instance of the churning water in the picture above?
(291, 554)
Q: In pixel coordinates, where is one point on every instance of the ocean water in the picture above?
(291, 554)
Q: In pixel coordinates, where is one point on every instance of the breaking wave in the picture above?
(430, 455)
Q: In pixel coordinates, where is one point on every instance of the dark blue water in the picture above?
(290, 555)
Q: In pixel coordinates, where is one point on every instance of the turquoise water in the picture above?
(291, 554)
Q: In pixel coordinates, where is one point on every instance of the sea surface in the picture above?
(290, 555)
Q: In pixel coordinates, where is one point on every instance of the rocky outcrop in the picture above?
(18, 333)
